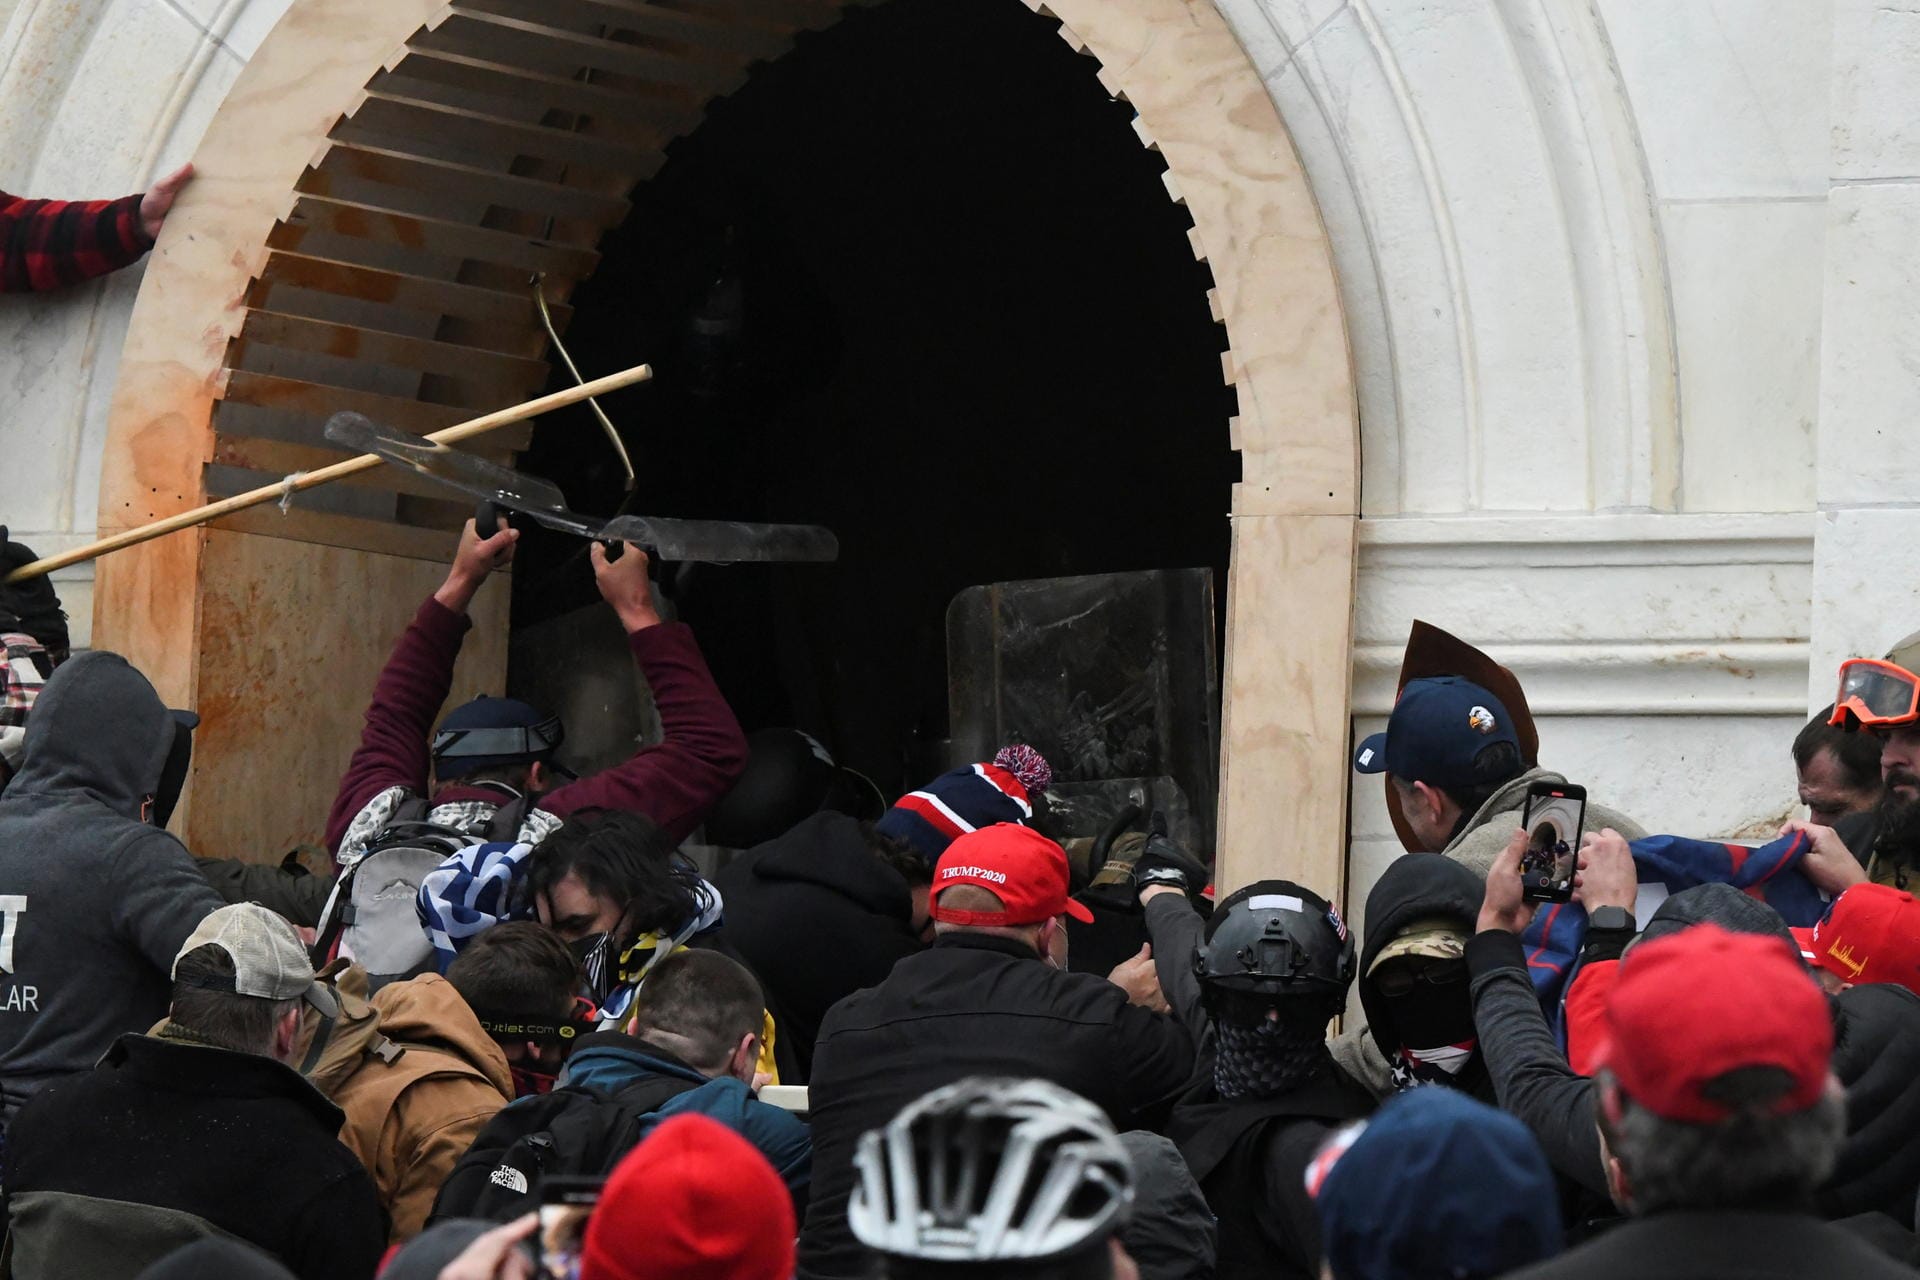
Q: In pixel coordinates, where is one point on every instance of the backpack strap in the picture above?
(412, 809)
(395, 1068)
(508, 819)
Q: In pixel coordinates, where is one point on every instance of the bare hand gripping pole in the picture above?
(280, 490)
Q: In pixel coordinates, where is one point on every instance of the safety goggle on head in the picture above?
(582, 1021)
(1875, 694)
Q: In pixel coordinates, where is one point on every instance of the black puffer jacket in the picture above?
(817, 917)
(1876, 1054)
(1418, 886)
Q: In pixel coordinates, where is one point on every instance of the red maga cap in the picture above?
(1017, 865)
(1871, 934)
(1689, 1008)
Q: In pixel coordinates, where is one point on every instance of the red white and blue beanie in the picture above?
(967, 798)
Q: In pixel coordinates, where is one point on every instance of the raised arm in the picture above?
(1531, 1077)
(701, 751)
(1175, 928)
(393, 750)
(50, 244)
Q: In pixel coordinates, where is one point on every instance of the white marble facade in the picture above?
(1632, 294)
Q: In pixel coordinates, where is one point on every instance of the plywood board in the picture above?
(1285, 725)
(280, 713)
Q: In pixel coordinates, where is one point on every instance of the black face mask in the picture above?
(1434, 1025)
(173, 774)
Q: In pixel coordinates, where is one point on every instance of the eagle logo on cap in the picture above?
(1481, 719)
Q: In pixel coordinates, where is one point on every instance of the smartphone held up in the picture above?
(565, 1206)
(1554, 815)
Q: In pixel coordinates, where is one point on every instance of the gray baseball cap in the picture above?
(269, 961)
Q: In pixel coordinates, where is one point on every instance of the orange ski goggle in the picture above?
(1876, 694)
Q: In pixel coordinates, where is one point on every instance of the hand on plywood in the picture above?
(159, 199)
(624, 584)
(476, 558)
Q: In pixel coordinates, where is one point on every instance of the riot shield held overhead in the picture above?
(713, 541)
(1112, 677)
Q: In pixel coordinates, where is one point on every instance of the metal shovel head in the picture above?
(471, 475)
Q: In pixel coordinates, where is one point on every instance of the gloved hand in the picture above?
(1164, 862)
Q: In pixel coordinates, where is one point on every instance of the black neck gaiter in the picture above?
(1267, 1060)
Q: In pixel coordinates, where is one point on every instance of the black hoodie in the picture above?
(818, 917)
(94, 902)
(1418, 886)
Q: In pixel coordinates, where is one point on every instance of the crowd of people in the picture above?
(518, 1030)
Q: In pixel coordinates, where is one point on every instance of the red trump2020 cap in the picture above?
(1017, 865)
(1690, 1008)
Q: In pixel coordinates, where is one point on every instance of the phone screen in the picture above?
(1553, 820)
(564, 1210)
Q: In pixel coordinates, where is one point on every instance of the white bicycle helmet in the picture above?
(991, 1170)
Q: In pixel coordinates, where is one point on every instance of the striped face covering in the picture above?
(1432, 1066)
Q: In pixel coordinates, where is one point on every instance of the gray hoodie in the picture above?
(94, 903)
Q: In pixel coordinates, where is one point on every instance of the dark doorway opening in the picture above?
(917, 281)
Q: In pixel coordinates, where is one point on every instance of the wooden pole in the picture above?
(301, 481)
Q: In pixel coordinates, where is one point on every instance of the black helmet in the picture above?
(1275, 940)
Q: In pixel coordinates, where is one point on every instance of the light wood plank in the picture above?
(494, 377)
(655, 111)
(382, 119)
(327, 529)
(318, 401)
(280, 457)
(370, 284)
(392, 167)
(480, 35)
(1285, 724)
(699, 36)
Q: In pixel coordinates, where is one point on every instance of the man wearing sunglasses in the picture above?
(1881, 696)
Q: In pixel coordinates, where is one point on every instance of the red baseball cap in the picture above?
(1871, 933)
(1691, 1007)
(694, 1201)
(1017, 865)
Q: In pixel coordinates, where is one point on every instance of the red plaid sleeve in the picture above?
(49, 244)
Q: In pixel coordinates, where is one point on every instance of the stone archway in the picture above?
(377, 189)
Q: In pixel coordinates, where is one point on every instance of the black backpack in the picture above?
(574, 1131)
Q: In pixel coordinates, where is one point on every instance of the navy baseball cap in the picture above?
(488, 733)
(1438, 729)
(1436, 1186)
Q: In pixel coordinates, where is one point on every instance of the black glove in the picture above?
(1164, 862)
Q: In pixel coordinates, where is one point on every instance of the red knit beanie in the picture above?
(695, 1201)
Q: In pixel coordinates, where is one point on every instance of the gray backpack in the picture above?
(372, 917)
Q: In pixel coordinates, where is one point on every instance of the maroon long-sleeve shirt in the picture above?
(673, 782)
(49, 244)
